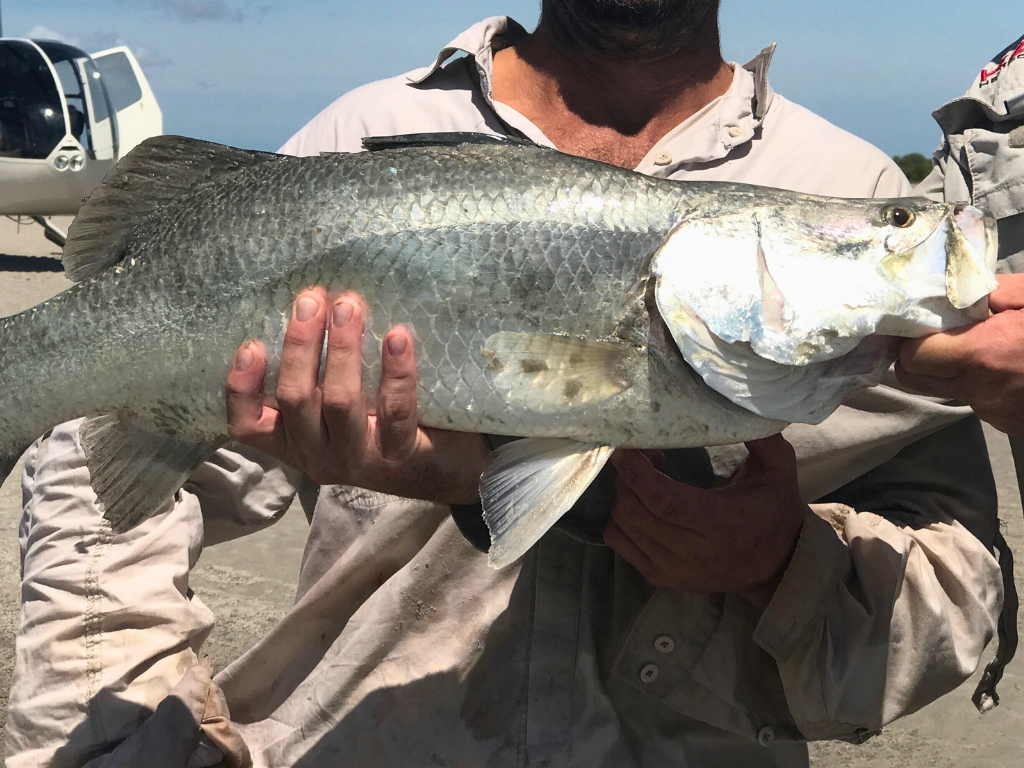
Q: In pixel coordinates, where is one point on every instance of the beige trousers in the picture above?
(107, 670)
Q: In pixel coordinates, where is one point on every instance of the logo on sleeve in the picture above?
(991, 73)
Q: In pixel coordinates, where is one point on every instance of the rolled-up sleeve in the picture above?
(240, 491)
(893, 592)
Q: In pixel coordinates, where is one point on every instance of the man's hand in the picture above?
(981, 365)
(738, 538)
(329, 430)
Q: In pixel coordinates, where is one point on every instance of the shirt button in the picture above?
(766, 737)
(649, 673)
(663, 158)
(664, 644)
(735, 131)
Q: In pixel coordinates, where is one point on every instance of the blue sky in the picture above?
(251, 72)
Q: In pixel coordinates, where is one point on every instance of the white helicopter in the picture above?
(66, 117)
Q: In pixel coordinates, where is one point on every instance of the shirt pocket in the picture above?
(996, 161)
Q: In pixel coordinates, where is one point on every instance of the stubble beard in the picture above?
(632, 29)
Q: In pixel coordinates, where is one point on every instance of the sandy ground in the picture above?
(249, 583)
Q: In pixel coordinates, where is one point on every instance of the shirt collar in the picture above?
(727, 122)
(478, 41)
(996, 95)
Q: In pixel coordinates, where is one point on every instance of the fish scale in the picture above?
(550, 297)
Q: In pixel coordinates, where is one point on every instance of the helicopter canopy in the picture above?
(32, 120)
(65, 119)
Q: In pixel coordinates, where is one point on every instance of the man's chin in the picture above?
(632, 28)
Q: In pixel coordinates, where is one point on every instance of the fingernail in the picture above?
(243, 358)
(397, 345)
(305, 309)
(342, 314)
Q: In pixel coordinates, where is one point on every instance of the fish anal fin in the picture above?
(134, 471)
(151, 175)
(529, 485)
(555, 373)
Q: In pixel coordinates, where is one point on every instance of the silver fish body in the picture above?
(550, 296)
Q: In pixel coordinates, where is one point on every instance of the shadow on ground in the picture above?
(29, 264)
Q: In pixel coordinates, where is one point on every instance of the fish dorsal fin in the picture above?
(134, 471)
(529, 485)
(151, 175)
(455, 138)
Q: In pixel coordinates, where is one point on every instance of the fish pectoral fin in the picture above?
(544, 373)
(529, 485)
(134, 471)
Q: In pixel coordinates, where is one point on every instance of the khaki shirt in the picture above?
(981, 158)
(404, 648)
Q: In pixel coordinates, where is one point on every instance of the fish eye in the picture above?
(898, 216)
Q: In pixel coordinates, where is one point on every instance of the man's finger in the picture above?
(631, 513)
(298, 396)
(249, 421)
(396, 399)
(344, 406)
(933, 386)
(1009, 294)
(658, 493)
(657, 459)
(650, 545)
(772, 453)
(941, 355)
(617, 539)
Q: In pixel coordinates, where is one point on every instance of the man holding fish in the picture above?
(749, 599)
(982, 160)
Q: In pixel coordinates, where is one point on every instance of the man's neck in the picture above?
(609, 110)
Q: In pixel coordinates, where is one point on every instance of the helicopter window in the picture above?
(75, 99)
(120, 80)
(99, 100)
(31, 117)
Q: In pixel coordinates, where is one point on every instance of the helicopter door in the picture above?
(138, 114)
(101, 121)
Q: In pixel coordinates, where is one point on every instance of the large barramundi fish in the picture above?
(576, 304)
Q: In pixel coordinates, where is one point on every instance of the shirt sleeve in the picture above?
(893, 592)
(336, 129)
(934, 183)
(892, 182)
(241, 491)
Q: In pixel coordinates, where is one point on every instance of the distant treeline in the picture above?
(916, 166)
